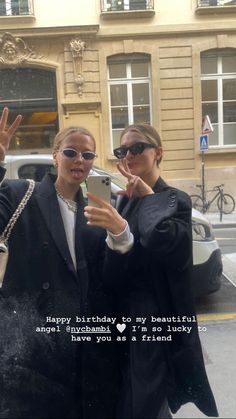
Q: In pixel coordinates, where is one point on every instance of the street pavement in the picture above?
(218, 345)
(228, 220)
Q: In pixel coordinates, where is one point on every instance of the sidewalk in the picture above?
(228, 220)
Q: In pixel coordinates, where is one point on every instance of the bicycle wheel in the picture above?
(228, 203)
(197, 202)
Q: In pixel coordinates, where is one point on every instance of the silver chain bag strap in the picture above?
(4, 237)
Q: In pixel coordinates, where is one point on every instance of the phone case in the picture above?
(100, 186)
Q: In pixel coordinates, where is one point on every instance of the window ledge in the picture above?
(221, 150)
(215, 10)
(75, 104)
(127, 14)
(18, 18)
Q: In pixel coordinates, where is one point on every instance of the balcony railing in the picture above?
(16, 8)
(216, 3)
(126, 5)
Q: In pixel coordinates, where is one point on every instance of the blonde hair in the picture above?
(149, 132)
(65, 133)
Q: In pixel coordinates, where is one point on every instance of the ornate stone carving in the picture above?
(77, 47)
(14, 50)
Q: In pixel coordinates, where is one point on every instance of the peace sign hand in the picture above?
(7, 133)
(136, 187)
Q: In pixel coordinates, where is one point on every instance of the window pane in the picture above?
(141, 114)
(27, 83)
(229, 89)
(36, 131)
(31, 92)
(137, 4)
(208, 65)
(13, 7)
(36, 171)
(229, 111)
(117, 71)
(213, 136)
(230, 134)
(140, 94)
(210, 109)
(229, 64)
(2, 8)
(119, 117)
(209, 90)
(139, 69)
(118, 95)
(24, 7)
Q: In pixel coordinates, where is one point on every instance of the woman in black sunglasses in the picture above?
(161, 363)
(53, 275)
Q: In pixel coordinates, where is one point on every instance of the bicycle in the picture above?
(225, 202)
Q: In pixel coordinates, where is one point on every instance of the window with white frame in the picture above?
(129, 92)
(118, 5)
(218, 85)
(16, 7)
(209, 3)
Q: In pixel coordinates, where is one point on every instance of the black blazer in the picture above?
(40, 235)
(160, 265)
(61, 378)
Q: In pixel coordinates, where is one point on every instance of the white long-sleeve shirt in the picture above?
(121, 243)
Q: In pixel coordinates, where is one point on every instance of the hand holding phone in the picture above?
(102, 214)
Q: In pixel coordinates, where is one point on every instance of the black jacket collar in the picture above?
(160, 185)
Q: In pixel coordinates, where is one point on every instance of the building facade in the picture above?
(105, 64)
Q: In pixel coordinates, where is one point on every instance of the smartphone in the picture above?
(100, 186)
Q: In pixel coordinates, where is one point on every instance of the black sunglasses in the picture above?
(71, 154)
(136, 148)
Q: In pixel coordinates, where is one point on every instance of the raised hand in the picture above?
(135, 187)
(6, 133)
(105, 216)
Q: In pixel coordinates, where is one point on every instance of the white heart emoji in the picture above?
(121, 327)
